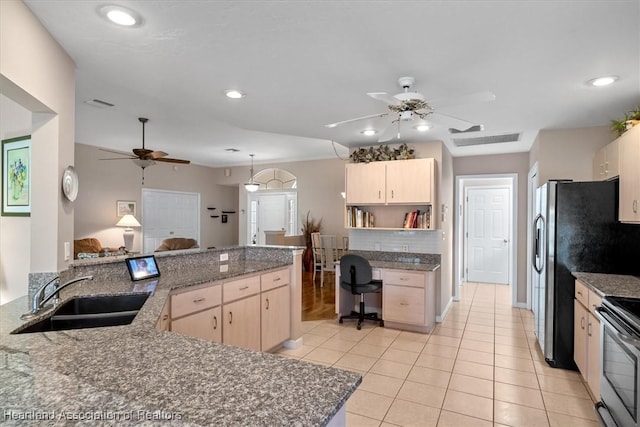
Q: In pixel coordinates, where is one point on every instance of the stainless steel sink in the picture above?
(90, 312)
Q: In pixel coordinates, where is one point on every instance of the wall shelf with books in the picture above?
(401, 217)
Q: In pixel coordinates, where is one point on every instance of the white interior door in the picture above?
(168, 214)
(271, 215)
(488, 224)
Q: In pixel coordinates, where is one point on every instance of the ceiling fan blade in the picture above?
(155, 155)
(449, 121)
(390, 133)
(124, 153)
(384, 97)
(472, 98)
(170, 160)
(332, 125)
(119, 158)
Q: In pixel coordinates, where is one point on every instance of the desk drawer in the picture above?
(404, 278)
(198, 299)
(403, 304)
(240, 288)
(274, 279)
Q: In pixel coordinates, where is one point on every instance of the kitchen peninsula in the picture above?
(135, 373)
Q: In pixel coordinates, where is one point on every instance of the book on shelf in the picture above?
(359, 218)
(417, 219)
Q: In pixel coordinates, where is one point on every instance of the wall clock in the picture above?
(70, 183)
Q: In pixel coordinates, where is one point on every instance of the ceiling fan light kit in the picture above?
(602, 81)
(408, 106)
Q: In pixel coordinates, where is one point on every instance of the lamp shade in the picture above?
(251, 187)
(128, 221)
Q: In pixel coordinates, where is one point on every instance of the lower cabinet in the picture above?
(408, 299)
(251, 311)
(205, 324)
(242, 323)
(586, 337)
(275, 317)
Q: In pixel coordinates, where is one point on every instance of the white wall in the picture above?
(15, 231)
(36, 73)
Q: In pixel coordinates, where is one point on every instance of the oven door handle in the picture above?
(605, 317)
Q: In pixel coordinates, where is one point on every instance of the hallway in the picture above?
(480, 367)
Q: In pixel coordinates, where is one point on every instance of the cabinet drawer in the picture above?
(195, 300)
(403, 304)
(274, 279)
(241, 288)
(582, 293)
(404, 278)
(594, 302)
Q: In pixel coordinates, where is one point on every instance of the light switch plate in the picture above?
(224, 268)
(224, 257)
(67, 251)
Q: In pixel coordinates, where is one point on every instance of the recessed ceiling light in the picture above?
(234, 94)
(369, 132)
(602, 81)
(423, 127)
(121, 15)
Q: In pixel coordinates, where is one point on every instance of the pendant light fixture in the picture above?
(251, 186)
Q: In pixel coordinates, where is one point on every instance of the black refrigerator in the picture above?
(575, 228)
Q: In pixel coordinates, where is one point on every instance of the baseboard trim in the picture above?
(441, 318)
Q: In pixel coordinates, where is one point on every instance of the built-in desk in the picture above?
(407, 300)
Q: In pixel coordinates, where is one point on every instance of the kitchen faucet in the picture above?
(39, 300)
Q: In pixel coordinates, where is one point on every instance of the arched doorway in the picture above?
(274, 206)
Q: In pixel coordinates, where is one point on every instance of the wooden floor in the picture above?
(318, 303)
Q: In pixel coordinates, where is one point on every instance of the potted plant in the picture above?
(630, 119)
(309, 226)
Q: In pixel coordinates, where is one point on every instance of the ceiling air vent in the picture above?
(99, 103)
(483, 140)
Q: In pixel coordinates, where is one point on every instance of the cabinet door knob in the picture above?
(165, 317)
(582, 322)
(267, 304)
(199, 300)
(635, 206)
(244, 288)
(215, 323)
(230, 317)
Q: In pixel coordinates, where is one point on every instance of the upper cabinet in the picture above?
(606, 162)
(629, 144)
(393, 195)
(393, 182)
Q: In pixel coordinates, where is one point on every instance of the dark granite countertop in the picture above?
(136, 375)
(611, 284)
(400, 260)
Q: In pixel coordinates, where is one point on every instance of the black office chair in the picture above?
(355, 276)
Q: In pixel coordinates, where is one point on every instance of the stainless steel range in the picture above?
(620, 358)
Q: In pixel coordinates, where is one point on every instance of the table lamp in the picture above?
(128, 221)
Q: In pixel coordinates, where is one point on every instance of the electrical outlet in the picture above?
(67, 251)
(224, 257)
(405, 248)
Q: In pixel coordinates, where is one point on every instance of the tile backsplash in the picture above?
(427, 242)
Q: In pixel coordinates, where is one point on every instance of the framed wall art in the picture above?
(16, 176)
(125, 207)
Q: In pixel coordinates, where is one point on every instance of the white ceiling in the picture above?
(304, 64)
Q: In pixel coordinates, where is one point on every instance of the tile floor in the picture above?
(480, 367)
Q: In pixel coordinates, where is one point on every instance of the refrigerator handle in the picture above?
(537, 244)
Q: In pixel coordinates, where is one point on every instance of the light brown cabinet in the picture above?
(629, 144)
(365, 183)
(586, 336)
(205, 324)
(606, 162)
(251, 311)
(242, 323)
(392, 182)
(379, 194)
(408, 299)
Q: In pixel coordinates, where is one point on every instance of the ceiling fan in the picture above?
(144, 157)
(407, 106)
